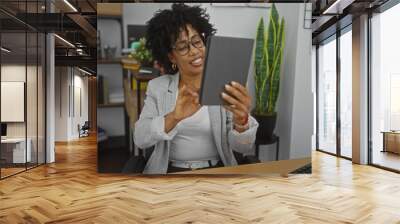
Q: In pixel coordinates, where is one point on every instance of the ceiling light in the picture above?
(86, 72)
(65, 41)
(329, 9)
(5, 49)
(70, 5)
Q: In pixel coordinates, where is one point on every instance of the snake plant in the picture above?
(268, 59)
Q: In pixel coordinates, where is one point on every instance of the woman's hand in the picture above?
(186, 105)
(238, 102)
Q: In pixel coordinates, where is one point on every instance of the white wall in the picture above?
(61, 103)
(80, 84)
(67, 81)
(295, 103)
(303, 102)
(139, 14)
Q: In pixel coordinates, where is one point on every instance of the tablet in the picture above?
(227, 59)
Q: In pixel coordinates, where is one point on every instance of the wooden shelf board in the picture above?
(111, 105)
(109, 61)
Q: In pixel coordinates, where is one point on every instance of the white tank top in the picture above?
(194, 140)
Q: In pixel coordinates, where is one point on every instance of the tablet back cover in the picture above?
(227, 59)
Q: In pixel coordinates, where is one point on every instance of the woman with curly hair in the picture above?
(186, 135)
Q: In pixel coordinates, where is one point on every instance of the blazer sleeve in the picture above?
(149, 129)
(242, 142)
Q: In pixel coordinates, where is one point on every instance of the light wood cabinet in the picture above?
(391, 142)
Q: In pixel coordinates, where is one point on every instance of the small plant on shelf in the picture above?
(141, 53)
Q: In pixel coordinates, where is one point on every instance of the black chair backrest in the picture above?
(86, 125)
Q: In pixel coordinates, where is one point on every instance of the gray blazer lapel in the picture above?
(170, 96)
(215, 119)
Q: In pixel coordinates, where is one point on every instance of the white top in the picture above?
(194, 140)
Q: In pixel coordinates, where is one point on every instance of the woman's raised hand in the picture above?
(238, 101)
(187, 103)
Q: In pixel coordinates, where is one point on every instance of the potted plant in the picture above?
(141, 53)
(268, 59)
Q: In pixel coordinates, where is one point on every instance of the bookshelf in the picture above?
(111, 102)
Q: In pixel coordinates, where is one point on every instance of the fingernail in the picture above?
(223, 94)
(227, 86)
(233, 83)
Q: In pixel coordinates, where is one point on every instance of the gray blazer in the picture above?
(149, 129)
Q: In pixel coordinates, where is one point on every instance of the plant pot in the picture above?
(266, 126)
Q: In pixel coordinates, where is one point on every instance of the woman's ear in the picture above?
(171, 58)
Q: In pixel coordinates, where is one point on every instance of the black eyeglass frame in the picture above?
(190, 43)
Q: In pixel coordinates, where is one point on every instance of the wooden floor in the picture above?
(71, 191)
(10, 171)
(387, 159)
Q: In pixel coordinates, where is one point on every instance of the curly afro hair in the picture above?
(164, 28)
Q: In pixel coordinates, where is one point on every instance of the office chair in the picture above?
(84, 130)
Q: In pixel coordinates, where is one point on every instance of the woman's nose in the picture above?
(193, 50)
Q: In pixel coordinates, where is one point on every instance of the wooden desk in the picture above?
(282, 167)
(391, 141)
(13, 150)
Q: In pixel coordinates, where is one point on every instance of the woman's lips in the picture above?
(197, 62)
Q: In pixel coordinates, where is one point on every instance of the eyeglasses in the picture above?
(183, 47)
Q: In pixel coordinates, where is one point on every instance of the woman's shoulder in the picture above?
(160, 80)
(160, 83)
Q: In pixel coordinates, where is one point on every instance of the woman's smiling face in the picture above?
(188, 52)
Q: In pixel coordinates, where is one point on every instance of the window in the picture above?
(334, 94)
(327, 97)
(385, 89)
(346, 93)
(22, 75)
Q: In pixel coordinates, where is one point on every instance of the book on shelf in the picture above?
(102, 90)
(105, 91)
(117, 97)
(100, 94)
(104, 95)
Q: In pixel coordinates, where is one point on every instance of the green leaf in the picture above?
(268, 60)
(259, 51)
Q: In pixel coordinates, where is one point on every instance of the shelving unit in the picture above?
(121, 143)
(111, 105)
(109, 61)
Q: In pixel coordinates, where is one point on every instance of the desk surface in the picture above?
(391, 132)
(13, 140)
(276, 167)
(143, 77)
